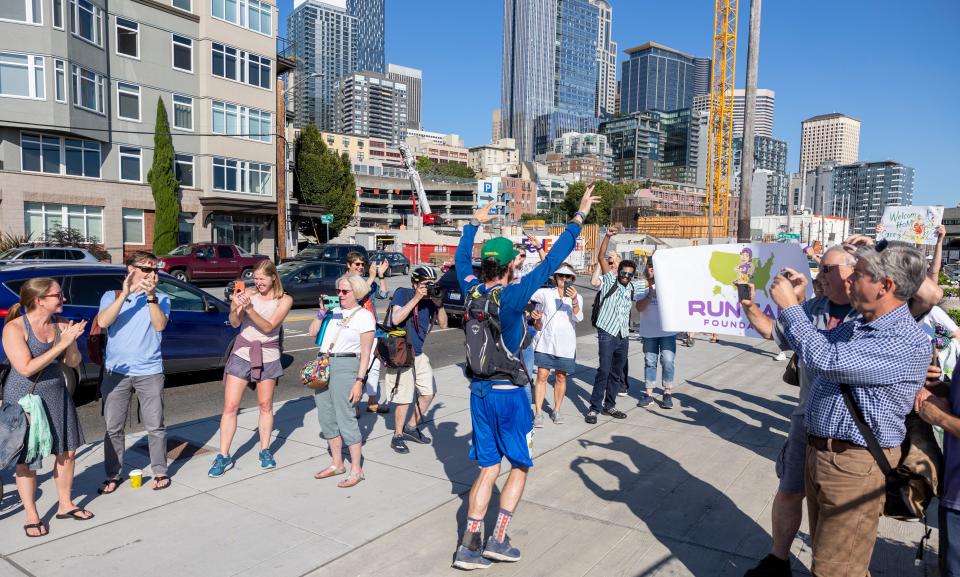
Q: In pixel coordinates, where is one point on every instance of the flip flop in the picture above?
(105, 490)
(352, 480)
(330, 471)
(38, 526)
(159, 481)
(75, 515)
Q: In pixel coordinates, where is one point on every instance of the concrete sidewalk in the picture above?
(681, 492)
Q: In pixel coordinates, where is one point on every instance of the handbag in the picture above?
(791, 374)
(912, 484)
(14, 422)
(316, 372)
(393, 344)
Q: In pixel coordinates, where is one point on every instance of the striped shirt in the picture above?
(614, 317)
(884, 362)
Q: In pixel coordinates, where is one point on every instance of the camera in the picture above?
(434, 291)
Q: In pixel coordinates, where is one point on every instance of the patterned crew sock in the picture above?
(503, 519)
(471, 537)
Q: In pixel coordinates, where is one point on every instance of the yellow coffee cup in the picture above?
(136, 479)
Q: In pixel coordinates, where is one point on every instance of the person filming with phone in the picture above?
(134, 319)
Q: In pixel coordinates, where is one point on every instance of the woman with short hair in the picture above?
(348, 338)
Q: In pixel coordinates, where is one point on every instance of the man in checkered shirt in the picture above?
(883, 357)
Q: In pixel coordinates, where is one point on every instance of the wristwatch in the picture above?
(153, 300)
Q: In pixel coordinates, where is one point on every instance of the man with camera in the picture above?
(415, 309)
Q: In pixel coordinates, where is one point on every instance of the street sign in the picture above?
(326, 219)
(788, 236)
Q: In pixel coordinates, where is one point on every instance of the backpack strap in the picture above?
(875, 449)
(608, 293)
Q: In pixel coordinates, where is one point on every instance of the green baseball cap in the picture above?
(499, 247)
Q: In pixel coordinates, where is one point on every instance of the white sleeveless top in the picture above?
(265, 308)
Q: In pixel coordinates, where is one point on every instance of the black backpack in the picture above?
(487, 355)
(598, 303)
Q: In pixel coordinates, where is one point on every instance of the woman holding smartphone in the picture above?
(556, 345)
(255, 360)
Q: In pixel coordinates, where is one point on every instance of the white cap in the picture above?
(567, 270)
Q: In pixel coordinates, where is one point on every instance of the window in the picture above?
(41, 219)
(241, 176)
(21, 76)
(183, 5)
(224, 252)
(128, 38)
(60, 81)
(86, 21)
(182, 53)
(133, 226)
(130, 164)
(183, 166)
(234, 120)
(58, 14)
(185, 234)
(40, 153)
(240, 66)
(251, 14)
(87, 89)
(182, 298)
(26, 11)
(128, 101)
(81, 157)
(182, 112)
(87, 290)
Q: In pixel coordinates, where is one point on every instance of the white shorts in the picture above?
(419, 376)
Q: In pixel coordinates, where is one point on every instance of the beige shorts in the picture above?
(423, 382)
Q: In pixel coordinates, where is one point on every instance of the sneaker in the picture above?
(538, 421)
(645, 399)
(501, 551)
(468, 559)
(667, 401)
(591, 418)
(266, 459)
(623, 391)
(556, 417)
(615, 413)
(399, 445)
(781, 357)
(770, 566)
(220, 466)
(416, 435)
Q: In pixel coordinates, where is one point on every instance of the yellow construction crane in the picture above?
(720, 147)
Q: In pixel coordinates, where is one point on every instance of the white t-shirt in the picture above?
(344, 329)
(649, 318)
(559, 334)
(936, 315)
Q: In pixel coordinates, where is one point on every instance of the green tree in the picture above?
(427, 167)
(164, 184)
(610, 195)
(324, 178)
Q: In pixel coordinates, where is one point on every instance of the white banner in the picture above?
(696, 286)
(576, 259)
(914, 224)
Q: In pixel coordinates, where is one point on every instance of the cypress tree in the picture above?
(165, 187)
(324, 178)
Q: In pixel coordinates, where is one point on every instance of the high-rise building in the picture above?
(413, 78)
(636, 145)
(581, 156)
(549, 65)
(763, 120)
(496, 126)
(370, 34)
(681, 150)
(862, 190)
(324, 37)
(606, 61)
(79, 87)
(702, 76)
(656, 77)
(549, 127)
(795, 195)
(770, 155)
(371, 104)
(833, 137)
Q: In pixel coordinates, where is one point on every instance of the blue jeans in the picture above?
(610, 373)
(949, 542)
(664, 348)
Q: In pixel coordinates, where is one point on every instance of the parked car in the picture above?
(952, 272)
(452, 297)
(48, 253)
(328, 252)
(209, 261)
(198, 336)
(304, 281)
(399, 264)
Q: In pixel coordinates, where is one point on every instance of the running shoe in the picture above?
(501, 551)
(266, 459)
(468, 559)
(220, 466)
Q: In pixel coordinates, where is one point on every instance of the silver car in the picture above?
(69, 253)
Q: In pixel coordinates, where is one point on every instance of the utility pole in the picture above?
(281, 180)
(747, 160)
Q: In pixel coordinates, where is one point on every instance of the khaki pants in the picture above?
(845, 497)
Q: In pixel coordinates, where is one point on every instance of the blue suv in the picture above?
(198, 336)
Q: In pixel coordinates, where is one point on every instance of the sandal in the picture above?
(39, 527)
(161, 482)
(351, 480)
(109, 486)
(75, 514)
(330, 471)
(383, 410)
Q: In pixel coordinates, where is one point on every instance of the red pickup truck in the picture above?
(209, 261)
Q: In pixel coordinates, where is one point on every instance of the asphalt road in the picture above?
(199, 395)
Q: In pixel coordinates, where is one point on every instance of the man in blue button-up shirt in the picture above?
(883, 357)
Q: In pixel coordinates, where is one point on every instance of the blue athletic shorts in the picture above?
(502, 427)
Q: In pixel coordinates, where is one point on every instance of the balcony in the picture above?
(286, 57)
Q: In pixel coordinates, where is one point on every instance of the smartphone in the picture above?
(743, 292)
(568, 291)
(331, 301)
(238, 287)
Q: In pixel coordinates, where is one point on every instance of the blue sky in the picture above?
(891, 64)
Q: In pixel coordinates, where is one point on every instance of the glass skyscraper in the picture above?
(370, 34)
(656, 77)
(637, 145)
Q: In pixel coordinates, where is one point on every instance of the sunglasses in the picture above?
(828, 268)
(358, 263)
(58, 296)
(566, 276)
(627, 274)
(146, 269)
(344, 291)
